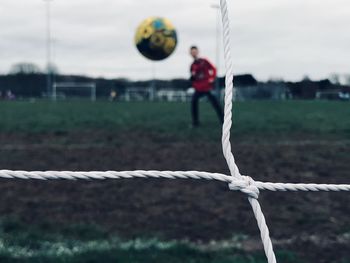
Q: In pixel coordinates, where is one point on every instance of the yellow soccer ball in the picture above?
(156, 38)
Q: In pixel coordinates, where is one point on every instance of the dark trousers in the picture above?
(214, 102)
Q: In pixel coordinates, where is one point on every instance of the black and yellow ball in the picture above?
(156, 38)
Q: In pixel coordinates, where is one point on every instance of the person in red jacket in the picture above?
(203, 76)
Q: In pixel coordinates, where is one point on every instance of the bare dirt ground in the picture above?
(315, 226)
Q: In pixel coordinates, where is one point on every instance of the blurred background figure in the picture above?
(203, 75)
(10, 95)
(113, 95)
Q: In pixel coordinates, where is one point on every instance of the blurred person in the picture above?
(113, 95)
(203, 76)
(10, 95)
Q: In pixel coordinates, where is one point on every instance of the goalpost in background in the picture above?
(64, 90)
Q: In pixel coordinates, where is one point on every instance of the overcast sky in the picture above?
(271, 38)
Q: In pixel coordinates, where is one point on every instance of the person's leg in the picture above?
(194, 108)
(214, 101)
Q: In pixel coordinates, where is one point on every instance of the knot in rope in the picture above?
(246, 185)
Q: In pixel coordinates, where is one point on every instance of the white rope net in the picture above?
(235, 180)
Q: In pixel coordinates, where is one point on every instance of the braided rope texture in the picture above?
(253, 200)
(235, 180)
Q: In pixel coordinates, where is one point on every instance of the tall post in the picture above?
(153, 85)
(48, 49)
(93, 93)
(217, 53)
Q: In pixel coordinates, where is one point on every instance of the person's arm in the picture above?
(193, 74)
(212, 71)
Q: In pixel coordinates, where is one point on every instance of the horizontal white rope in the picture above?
(69, 175)
(302, 187)
(235, 183)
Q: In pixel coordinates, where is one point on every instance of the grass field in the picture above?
(33, 228)
(250, 118)
(83, 244)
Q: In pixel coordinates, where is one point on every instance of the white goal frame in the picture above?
(87, 85)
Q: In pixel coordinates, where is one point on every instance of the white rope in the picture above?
(252, 187)
(303, 187)
(226, 144)
(68, 175)
(264, 230)
(236, 181)
(226, 129)
(244, 184)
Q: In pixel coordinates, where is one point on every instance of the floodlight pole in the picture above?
(153, 84)
(218, 17)
(48, 49)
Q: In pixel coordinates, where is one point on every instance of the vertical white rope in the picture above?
(226, 132)
(264, 230)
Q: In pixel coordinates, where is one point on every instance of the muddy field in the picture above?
(315, 226)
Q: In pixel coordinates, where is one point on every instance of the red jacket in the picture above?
(203, 75)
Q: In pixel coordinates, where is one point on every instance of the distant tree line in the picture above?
(27, 80)
(34, 84)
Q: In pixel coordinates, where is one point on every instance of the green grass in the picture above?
(89, 244)
(250, 118)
